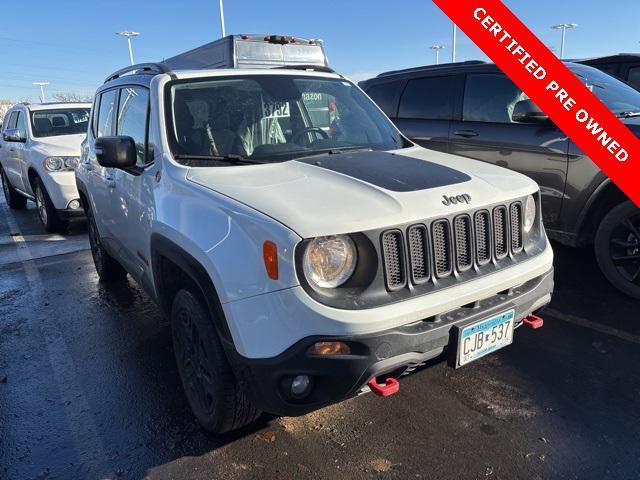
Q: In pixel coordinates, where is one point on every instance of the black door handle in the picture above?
(466, 133)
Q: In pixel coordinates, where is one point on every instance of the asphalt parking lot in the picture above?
(89, 389)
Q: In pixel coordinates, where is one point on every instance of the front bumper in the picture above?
(61, 187)
(395, 351)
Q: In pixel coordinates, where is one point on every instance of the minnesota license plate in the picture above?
(486, 336)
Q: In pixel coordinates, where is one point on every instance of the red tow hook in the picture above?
(533, 321)
(390, 386)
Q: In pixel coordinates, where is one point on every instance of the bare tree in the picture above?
(72, 97)
(5, 105)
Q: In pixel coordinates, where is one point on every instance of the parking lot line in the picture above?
(81, 424)
(581, 322)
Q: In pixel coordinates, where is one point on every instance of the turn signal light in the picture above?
(329, 348)
(270, 255)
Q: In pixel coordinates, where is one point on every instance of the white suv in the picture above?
(302, 248)
(39, 150)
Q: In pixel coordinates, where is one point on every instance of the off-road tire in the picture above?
(211, 389)
(618, 237)
(13, 198)
(108, 268)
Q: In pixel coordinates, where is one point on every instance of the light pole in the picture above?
(564, 27)
(437, 49)
(41, 85)
(222, 19)
(453, 43)
(128, 35)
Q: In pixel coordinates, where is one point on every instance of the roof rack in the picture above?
(315, 68)
(140, 68)
(433, 67)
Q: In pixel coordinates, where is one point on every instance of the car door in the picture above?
(487, 132)
(100, 178)
(131, 190)
(7, 148)
(426, 110)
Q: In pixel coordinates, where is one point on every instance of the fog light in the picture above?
(74, 204)
(329, 348)
(300, 386)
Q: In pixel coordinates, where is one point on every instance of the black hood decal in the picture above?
(390, 171)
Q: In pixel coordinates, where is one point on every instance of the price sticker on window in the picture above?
(275, 109)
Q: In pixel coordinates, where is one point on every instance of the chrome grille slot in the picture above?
(393, 260)
(418, 253)
(441, 248)
(516, 227)
(483, 237)
(464, 242)
(500, 232)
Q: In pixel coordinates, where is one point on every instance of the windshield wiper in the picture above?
(231, 158)
(627, 114)
(337, 150)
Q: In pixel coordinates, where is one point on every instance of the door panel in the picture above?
(426, 109)
(488, 133)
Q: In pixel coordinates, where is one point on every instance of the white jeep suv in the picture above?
(303, 250)
(39, 150)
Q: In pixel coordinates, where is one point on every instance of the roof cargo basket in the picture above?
(252, 51)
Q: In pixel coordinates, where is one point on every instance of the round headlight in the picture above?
(529, 214)
(330, 261)
(71, 162)
(54, 164)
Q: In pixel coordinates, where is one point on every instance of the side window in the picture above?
(429, 99)
(21, 124)
(106, 113)
(94, 116)
(634, 77)
(11, 120)
(132, 118)
(490, 98)
(386, 96)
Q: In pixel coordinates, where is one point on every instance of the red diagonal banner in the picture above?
(551, 85)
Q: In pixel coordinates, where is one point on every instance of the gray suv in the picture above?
(473, 109)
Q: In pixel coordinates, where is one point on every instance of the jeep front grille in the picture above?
(437, 251)
(500, 232)
(442, 248)
(419, 253)
(464, 243)
(393, 254)
(516, 227)
(483, 237)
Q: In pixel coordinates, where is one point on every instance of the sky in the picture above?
(72, 43)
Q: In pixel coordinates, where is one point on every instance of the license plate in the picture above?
(486, 336)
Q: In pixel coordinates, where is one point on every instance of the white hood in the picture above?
(314, 199)
(63, 145)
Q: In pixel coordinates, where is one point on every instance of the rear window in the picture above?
(386, 96)
(53, 123)
(429, 98)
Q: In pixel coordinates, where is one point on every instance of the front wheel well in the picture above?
(608, 198)
(32, 175)
(174, 270)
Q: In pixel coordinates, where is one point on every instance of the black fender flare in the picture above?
(161, 246)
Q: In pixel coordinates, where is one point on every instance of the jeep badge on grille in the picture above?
(464, 198)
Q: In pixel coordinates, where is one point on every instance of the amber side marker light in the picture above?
(270, 255)
(329, 348)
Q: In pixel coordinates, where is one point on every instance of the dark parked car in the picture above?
(473, 109)
(625, 66)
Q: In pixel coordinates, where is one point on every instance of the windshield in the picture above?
(617, 95)
(268, 118)
(53, 123)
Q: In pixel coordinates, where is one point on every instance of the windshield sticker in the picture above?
(275, 109)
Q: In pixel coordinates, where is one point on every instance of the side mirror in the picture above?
(13, 135)
(526, 111)
(116, 152)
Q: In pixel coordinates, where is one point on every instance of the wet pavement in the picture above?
(89, 389)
